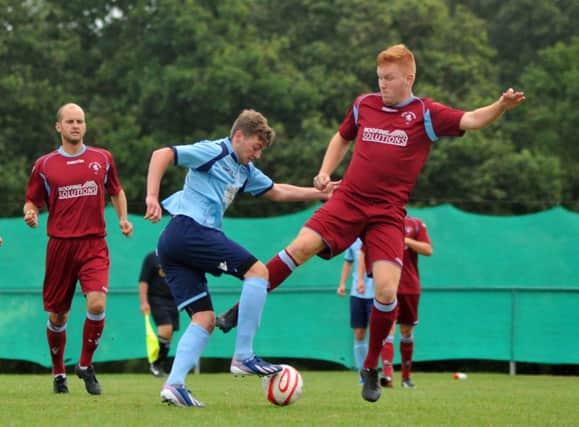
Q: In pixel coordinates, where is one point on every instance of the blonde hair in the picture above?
(398, 54)
(251, 123)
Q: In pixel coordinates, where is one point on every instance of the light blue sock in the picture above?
(189, 349)
(251, 304)
(360, 351)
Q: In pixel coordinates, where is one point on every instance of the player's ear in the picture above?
(58, 127)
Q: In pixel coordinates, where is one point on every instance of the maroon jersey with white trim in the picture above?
(72, 187)
(391, 145)
(415, 229)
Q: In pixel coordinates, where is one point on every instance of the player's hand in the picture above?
(322, 181)
(31, 218)
(511, 99)
(361, 288)
(341, 290)
(126, 227)
(154, 211)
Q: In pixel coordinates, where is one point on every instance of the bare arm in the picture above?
(143, 288)
(337, 149)
(484, 116)
(293, 193)
(160, 161)
(346, 271)
(30, 211)
(422, 248)
(119, 202)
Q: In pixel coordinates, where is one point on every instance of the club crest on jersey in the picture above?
(408, 116)
(95, 167)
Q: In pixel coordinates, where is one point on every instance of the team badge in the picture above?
(95, 167)
(408, 116)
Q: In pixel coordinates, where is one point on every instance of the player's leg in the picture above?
(58, 290)
(332, 229)
(307, 244)
(387, 359)
(178, 248)
(94, 277)
(165, 315)
(251, 303)
(386, 277)
(408, 319)
(359, 323)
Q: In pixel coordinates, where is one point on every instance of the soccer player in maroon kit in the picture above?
(416, 242)
(71, 183)
(393, 131)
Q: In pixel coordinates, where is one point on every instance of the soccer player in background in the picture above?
(193, 243)
(393, 132)
(71, 183)
(361, 298)
(416, 242)
(157, 300)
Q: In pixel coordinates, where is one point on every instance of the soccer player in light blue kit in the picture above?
(361, 298)
(193, 243)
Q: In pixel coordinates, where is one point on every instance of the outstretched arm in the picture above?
(337, 149)
(160, 160)
(294, 193)
(120, 204)
(484, 116)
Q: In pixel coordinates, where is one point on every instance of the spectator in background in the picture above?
(71, 182)
(416, 242)
(361, 298)
(157, 300)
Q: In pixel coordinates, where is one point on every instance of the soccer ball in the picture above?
(283, 388)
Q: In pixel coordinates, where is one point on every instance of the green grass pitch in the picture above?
(330, 398)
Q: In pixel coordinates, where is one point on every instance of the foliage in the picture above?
(151, 74)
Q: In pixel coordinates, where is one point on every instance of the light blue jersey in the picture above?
(351, 255)
(214, 178)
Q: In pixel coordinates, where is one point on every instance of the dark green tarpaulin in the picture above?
(501, 288)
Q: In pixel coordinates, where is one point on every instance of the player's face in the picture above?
(249, 149)
(395, 85)
(71, 126)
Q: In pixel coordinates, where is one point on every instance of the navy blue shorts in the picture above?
(188, 250)
(360, 309)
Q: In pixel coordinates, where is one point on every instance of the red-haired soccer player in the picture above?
(416, 242)
(393, 131)
(71, 182)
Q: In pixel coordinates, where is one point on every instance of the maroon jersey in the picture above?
(415, 229)
(72, 187)
(392, 144)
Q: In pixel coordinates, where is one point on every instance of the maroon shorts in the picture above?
(343, 218)
(69, 261)
(408, 309)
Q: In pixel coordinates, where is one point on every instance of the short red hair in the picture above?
(398, 54)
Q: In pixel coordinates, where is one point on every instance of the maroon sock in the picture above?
(406, 350)
(387, 358)
(280, 267)
(91, 336)
(380, 324)
(56, 342)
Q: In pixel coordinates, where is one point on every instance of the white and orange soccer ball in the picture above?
(283, 388)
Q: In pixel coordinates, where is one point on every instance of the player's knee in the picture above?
(258, 269)
(385, 295)
(58, 319)
(202, 314)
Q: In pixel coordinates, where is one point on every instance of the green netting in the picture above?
(501, 288)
